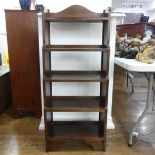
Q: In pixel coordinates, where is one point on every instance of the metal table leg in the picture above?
(148, 104)
(153, 89)
(129, 77)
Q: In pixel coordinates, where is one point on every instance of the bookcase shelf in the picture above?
(88, 48)
(75, 104)
(74, 129)
(58, 133)
(75, 76)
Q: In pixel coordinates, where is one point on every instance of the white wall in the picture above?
(151, 15)
(5, 4)
(58, 5)
(151, 5)
(128, 8)
(151, 11)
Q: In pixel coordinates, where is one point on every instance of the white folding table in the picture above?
(133, 65)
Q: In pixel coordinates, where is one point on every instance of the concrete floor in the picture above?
(21, 136)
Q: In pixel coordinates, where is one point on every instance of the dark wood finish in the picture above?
(5, 91)
(75, 76)
(61, 133)
(133, 29)
(76, 13)
(55, 144)
(75, 104)
(74, 130)
(93, 133)
(89, 48)
(22, 36)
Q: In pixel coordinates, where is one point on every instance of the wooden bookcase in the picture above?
(58, 133)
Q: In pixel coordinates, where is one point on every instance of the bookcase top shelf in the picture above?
(76, 13)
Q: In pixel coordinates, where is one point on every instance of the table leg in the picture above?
(129, 77)
(153, 89)
(148, 104)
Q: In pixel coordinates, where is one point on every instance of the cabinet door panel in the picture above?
(22, 36)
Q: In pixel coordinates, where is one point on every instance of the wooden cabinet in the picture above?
(58, 133)
(5, 91)
(22, 37)
(138, 28)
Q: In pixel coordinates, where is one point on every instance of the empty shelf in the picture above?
(90, 48)
(75, 130)
(75, 76)
(75, 104)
